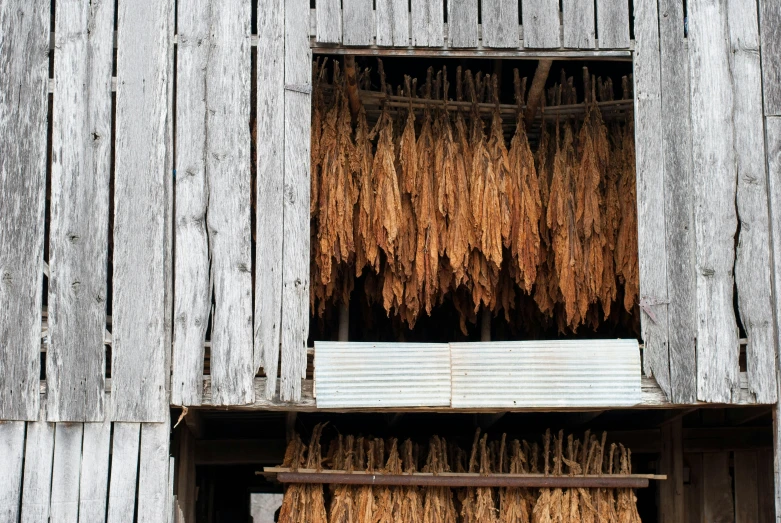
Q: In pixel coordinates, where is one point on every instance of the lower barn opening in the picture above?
(725, 456)
(454, 200)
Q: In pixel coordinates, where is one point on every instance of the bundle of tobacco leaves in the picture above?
(304, 503)
(438, 506)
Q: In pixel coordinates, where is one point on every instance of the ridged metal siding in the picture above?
(577, 373)
(355, 375)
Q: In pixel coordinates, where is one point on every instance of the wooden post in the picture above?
(537, 91)
(671, 507)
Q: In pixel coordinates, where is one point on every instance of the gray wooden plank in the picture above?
(428, 23)
(746, 491)
(142, 171)
(93, 489)
(578, 21)
(358, 20)
(295, 273)
(717, 488)
(24, 84)
(329, 22)
(78, 238)
(462, 23)
(11, 456)
(36, 487)
(228, 217)
(770, 28)
(124, 468)
(777, 454)
(715, 185)
(192, 302)
(500, 24)
(613, 24)
(651, 234)
(153, 472)
(66, 471)
(752, 258)
(679, 203)
(392, 23)
(540, 19)
(269, 186)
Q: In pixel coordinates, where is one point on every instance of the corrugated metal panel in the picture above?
(353, 375)
(577, 373)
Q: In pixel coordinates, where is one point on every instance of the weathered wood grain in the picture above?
(295, 273)
(500, 24)
(269, 186)
(329, 21)
(770, 29)
(613, 24)
(153, 473)
(124, 467)
(228, 216)
(717, 488)
(66, 469)
(36, 486)
(392, 23)
(78, 238)
(715, 185)
(142, 171)
(746, 492)
(428, 23)
(651, 233)
(24, 84)
(11, 456)
(753, 278)
(678, 203)
(192, 302)
(462, 23)
(578, 22)
(358, 22)
(186, 486)
(93, 489)
(540, 19)
(773, 141)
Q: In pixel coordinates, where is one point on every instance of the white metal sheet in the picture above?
(357, 375)
(541, 374)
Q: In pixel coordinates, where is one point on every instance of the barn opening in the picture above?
(460, 200)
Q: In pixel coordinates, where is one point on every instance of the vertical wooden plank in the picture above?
(142, 171)
(66, 471)
(393, 23)
(613, 24)
(770, 28)
(679, 202)
(36, 487)
(428, 23)
(715, 184)
(462, 23)
(358, 22)
(540, 24)
(578, 22)
(185, 491)
(693, 491)
(767, 509)
(746, 494)
(329, 21)
(193, 295)
(773, 142)
(93, 490)
(500, 24)
(24, 84)
(11, 456)
(717, 488)
(295, 274)
(671, 502)
(228, 217)
(78, 244)
(124, 468)
(269, 186)
(651, 233)
(752, 258)
(153, 473)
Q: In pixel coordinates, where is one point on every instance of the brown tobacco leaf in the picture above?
(627, 267)
(387, 204)
(506, 190)
(484, 193)
(361, 164)
(318, 109)
(546, 291)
